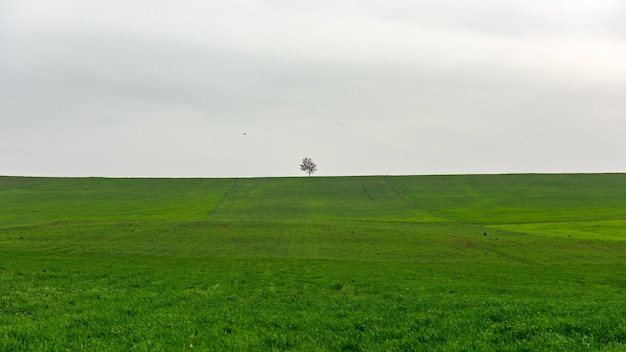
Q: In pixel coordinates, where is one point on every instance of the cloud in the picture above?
(154, 88)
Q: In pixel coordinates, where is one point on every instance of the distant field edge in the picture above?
(304, 176)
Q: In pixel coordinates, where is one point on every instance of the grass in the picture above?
(460, 263)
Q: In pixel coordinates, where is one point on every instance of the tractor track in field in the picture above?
(398, 193)
(506, 255)
(367, 193)
(562, 221)
(234, 186)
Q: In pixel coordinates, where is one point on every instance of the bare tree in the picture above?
(308, 166)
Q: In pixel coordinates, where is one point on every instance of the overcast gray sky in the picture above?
(247, 88)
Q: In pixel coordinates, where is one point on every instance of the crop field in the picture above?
(382, 263)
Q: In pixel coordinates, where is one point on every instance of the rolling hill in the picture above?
(449, 262)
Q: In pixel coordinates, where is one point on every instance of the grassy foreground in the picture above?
(411, 263)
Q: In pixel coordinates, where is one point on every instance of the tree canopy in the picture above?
(308, 166)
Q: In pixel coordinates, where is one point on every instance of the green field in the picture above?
(383, 263)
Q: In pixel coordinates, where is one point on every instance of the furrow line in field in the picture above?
(235, 185)
(563, 221)
(367, 193)
(398, 193)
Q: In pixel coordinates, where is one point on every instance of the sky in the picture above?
(248, 88)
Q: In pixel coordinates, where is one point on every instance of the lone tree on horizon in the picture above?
(308, 166)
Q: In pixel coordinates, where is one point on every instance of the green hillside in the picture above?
(486, 199)
(456, 262)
